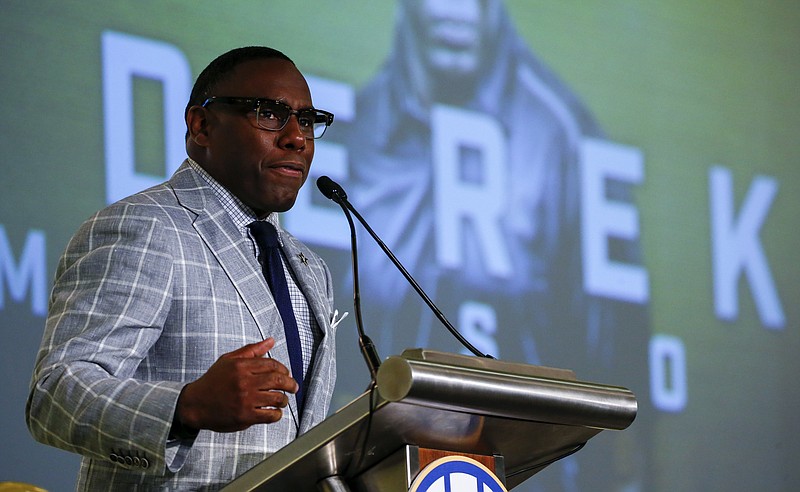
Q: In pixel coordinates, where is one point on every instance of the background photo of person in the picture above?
(459, 79)
(674, 275)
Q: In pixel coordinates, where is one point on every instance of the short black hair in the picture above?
(222, 66)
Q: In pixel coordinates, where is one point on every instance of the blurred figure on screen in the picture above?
(465, 157)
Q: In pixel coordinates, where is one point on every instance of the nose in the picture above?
(292, 136)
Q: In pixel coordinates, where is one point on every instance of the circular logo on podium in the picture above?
(456, 474)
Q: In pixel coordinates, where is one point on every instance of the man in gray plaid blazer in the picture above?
(164, 361)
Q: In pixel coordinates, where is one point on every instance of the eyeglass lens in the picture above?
(273, 115)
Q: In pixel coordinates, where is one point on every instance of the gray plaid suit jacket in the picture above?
(148, 294)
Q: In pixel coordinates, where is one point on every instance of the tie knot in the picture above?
(264, 233)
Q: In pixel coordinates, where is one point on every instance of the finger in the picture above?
(264, 365)
(267, 415)
(251, 350)
(272, 399)
(253, 416)
(269, 381)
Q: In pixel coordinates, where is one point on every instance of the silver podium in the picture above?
(514, 418)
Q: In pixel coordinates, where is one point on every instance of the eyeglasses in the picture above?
(273, 115)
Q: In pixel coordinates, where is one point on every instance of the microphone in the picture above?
(333, 191)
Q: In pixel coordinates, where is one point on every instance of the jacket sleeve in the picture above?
(108, 306)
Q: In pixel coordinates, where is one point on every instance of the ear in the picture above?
(197, 125)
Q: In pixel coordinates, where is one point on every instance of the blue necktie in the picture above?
(272, 264)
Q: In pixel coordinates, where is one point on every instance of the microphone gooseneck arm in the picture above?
(333, 191)
(365, 344)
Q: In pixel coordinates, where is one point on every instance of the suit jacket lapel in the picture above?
(321, 310)
(308, 284)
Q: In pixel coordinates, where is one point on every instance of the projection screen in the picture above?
(597, 186)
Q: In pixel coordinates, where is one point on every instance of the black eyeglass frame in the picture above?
(320, 118)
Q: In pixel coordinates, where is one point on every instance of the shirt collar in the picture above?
(240, 214)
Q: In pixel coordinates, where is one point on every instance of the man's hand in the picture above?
(242, 388)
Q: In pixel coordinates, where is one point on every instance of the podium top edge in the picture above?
(473, 362)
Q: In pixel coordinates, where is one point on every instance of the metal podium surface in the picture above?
(530, 415)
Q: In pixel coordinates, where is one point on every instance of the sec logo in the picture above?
(456, 474)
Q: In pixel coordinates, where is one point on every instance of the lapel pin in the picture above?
(303, 259)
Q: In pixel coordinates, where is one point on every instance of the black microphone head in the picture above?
(331, 189)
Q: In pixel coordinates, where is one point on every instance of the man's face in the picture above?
(451, 33)
(265, 169)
